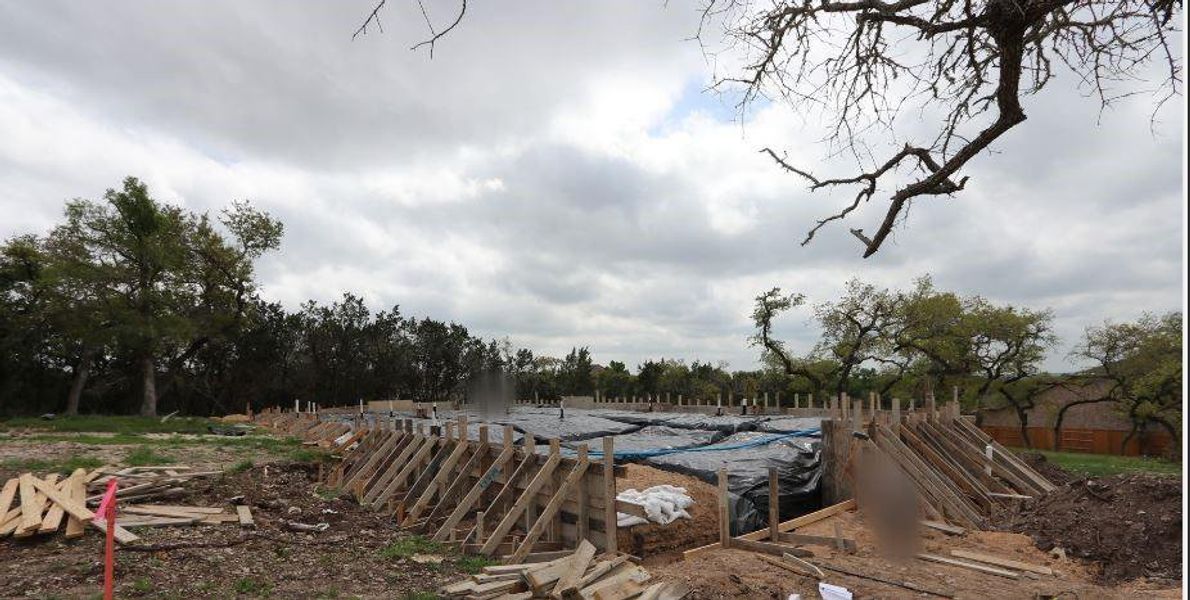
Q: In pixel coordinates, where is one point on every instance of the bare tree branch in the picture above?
(969, 62)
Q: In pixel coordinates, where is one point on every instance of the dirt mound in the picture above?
(652, 539)
(1049, 470)
(1130, 524)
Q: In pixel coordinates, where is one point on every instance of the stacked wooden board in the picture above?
(581, 575)
(34, 505)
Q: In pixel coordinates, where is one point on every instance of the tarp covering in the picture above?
(789, 424)
(749, 456)
(575, 426)
(654, 437)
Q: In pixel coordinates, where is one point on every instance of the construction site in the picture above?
(846, 500)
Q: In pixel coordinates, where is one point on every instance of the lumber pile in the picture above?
(33, 505)
(581, 575)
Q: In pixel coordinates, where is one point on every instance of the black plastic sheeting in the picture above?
(789, 424)
(575, 426)
(655, 437)
(798, 467)
(728, 423)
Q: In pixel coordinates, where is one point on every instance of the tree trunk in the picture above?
(148, 407)
(81, 372)
(1022, 415)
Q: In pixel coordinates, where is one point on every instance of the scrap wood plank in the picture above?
(793, 567)
(790, 525)
(902, 584)
(551, 508)
(203, 510)
(79, 511)
(620, 591)
(968, 565)
(521, 504)
(944, 527)
(465, 505)
(597, 572)
(31, 515)
(78, 492)
(576, 567)
(773, 548)
(1002, 562)
(53, 516)
(627, 573)
(30, 507)
(155, 521)
(8, 494)
(244, 514)
(817, 540)
(631, 508)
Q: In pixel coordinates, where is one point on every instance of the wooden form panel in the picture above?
(441, 485)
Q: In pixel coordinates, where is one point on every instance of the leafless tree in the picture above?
(866, 62)
(965, 63)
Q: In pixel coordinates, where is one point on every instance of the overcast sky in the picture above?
(555, 174)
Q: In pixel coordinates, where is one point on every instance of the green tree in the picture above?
(164, 280)
(1143, 360)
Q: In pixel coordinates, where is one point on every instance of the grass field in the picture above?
(96, 440)
(109, 424)
(1098, 465)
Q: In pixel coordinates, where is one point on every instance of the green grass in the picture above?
(144, 456)
(407, 547)
(110, 424)
(64, 467)
(421, 596)
(242, 466)
(1099, 465)
(251, 587)
(306, 455)
(474, 564)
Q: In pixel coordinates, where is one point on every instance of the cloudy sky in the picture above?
(556, 173)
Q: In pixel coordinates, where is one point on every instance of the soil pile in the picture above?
(1130, 524)
(1049, 470)
(652, 539)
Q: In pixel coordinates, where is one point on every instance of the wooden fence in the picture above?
(1092, 441)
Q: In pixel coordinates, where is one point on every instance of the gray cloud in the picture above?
(552, 175)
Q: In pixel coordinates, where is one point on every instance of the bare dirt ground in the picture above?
(348, 560)
(737, 574)
(1130, 524)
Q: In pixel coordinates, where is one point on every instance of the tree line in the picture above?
(134, 305)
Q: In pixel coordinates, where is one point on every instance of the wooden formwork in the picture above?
(960, 473)
(501, 500)
(304, 426)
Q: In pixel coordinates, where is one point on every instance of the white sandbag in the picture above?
(663, 504)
